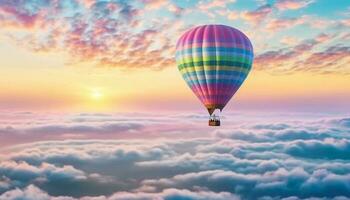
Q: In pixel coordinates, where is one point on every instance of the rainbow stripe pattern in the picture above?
(214, 60)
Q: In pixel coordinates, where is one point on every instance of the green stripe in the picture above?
(214, 63)
(191, 50)
(216, 58)
(217, 68)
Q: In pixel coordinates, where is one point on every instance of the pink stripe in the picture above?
(212, 44)
(223, 95)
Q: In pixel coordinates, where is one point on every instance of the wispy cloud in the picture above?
(258, 15)
(292, 4)
(311, 55)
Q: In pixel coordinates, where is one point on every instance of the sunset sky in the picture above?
(93, 107)
(117, 56)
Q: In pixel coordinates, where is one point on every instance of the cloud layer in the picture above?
(254, 159)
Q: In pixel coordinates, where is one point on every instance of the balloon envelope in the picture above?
(214, 60)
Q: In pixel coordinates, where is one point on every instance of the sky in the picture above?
(93, 107)
(119, 56)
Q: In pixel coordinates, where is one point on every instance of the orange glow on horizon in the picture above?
(85, 87)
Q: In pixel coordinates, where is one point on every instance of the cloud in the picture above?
(303, 56)
(20, 14)
(327, 149)
(57, 129)
(280, 183)
(24, 171)
(30, 193)
(333, 58)
(14, 133)
(285, 132)
(98, 32)
(19, 174)
(17, 128)
(292, 4)
(157, 4)
(283, 23)
(34, 193)
(294, 159)
(342, 122)
(258, 15)
(205, 6)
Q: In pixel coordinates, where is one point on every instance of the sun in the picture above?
(97, 99)
(96, 94)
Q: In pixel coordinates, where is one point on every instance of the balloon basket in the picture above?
(214, 123)
(214, 120)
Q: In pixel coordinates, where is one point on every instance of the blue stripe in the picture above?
(213, 72)
(217, 50)
(179, 56)
(237, 81)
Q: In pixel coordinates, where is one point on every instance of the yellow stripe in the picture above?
(213, 105)
(203, 68)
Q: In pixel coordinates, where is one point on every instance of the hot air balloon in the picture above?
(214, 60)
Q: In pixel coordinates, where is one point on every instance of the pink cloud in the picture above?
(278, 24)
(258, 15)
(155, 4)
(333, 58)
(16, 18)
(288, 40)
(87, 3)
(292, 4)
(205, 6)
(106, 41)
(175, 9)
(302, 57)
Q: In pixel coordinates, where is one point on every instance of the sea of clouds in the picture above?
(136, 156)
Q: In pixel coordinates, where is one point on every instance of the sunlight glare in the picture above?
(96, 94)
